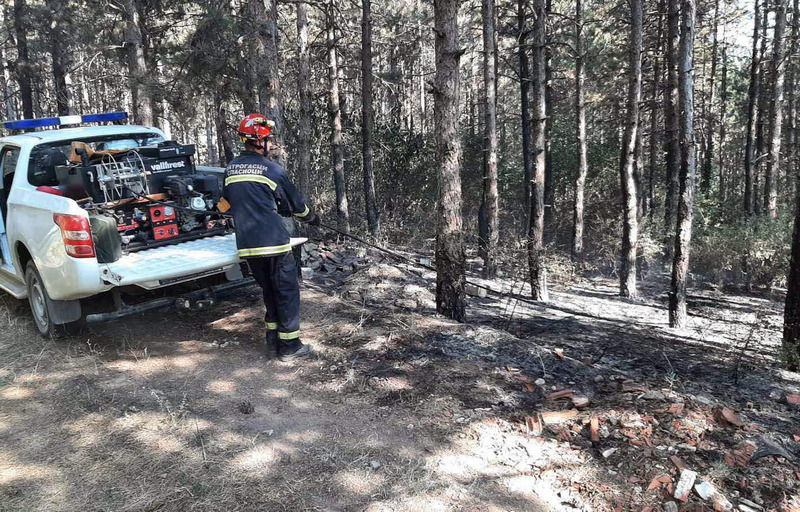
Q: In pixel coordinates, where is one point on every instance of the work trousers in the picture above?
(277, 277)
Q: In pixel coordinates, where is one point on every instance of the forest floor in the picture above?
(589, 402)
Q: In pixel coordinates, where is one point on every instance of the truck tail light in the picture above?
(50, 190)
(77, 235)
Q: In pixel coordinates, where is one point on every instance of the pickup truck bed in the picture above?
(163, 266)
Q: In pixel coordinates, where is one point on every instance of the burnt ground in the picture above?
(401, 409)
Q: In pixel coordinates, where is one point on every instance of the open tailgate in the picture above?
(171, 264)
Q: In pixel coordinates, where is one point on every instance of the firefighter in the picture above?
(258, 191)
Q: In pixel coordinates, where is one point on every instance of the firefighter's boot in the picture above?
(293, 352)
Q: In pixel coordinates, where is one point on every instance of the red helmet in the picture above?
(255, 128)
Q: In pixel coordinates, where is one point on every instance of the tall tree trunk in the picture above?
(580, 136)
(304, 84)
(549, 188)
(705, 184)
(271, 101)
(22, 67)
(60, 56)
(335, 117)
(450, 257)
(525, 108)
(137, 68)
(223, 136)
(211, 140)
(723, 113)
(763, 108)
(370, 203)
(630, 206)
(683, 236)
(753, 94)
(538, 272)
(775, 113)
(791, 312)
(489, 200)
(654, 145)
(672, 128)
(791, 139)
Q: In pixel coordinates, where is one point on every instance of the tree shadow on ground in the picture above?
(145, 414)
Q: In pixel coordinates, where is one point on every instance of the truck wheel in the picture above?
(42, 307)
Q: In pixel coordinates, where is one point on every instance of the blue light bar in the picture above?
(29, 124)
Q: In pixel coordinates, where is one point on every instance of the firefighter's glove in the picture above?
(315, 220)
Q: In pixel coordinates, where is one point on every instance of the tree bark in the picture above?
(753, 94)
(211, 141)
(630, 206)
(705, 183)
(271, 101)
(723, 113)
(580, 136)
(763, 108)
(791, 312)
(22, 67)
(306, 109)
(791, 139)
(672, 128)
(223, 136)
(141, 105)
(775, 112)
(370, 203)
(450, 257)
(683, 236)
(525, 108)
(489, 198)
(549, 188)
(60, 56)
(335, 119)
(654, 145)
(535, 243)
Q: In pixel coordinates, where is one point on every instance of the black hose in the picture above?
(425, 266)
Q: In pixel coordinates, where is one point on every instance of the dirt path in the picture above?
(400, 410)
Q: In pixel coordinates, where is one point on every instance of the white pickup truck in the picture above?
(96, 209)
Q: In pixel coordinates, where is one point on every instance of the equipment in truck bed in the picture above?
(153, 194)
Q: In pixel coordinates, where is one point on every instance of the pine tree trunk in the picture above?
(60, 56)
(672, 128)
(223, 136)
(791, 313)
(723, 113)
(450, 257)
(763, 108)
(705, 183)
(792, 82)
(489, 199)
(683, 236)
(538, 272)
(778, 68)
(753, 94)
(580, 136)
(525, 109)
(22, 67)
(335, 118)
(549, 188)
(137, 68)
(654, 144)
(370, 203)
(306, 108)
(630, 206)
(211, 142)
(271, 101)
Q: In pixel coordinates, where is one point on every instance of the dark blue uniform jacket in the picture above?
(254, 187)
